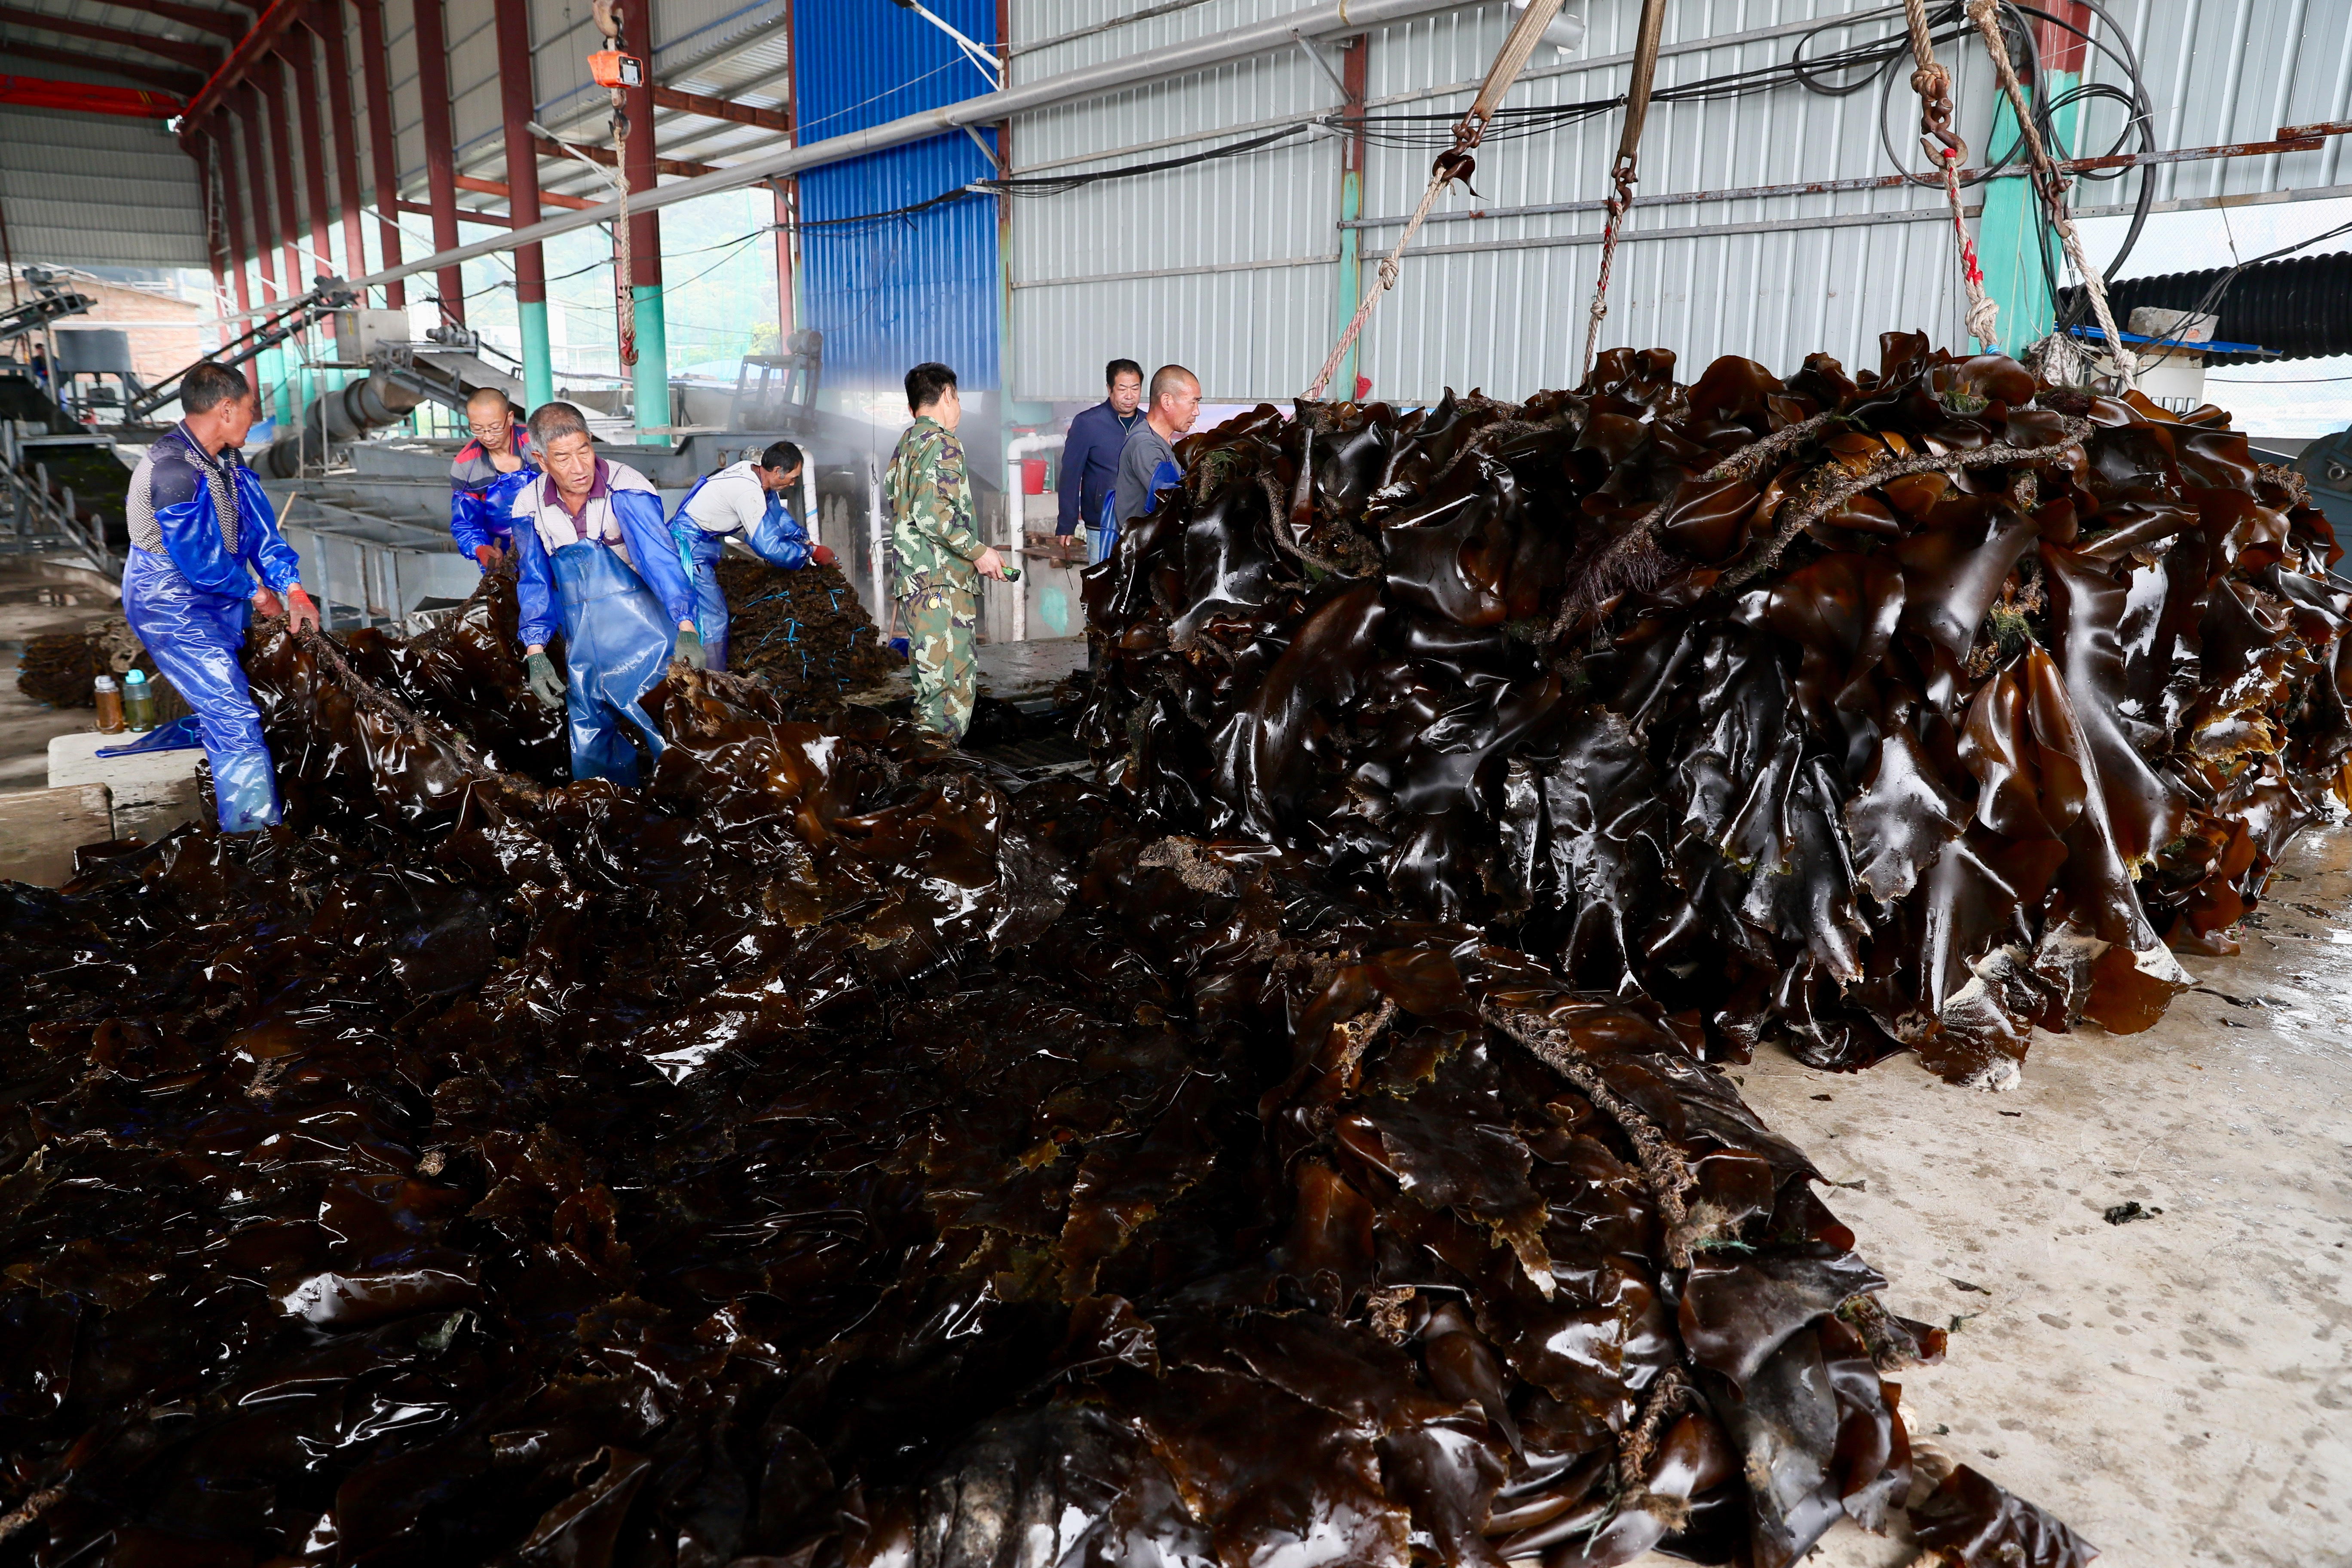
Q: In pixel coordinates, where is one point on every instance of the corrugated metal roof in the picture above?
(68, 180)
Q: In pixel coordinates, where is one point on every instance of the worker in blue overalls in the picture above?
(486, 476)
(744, 500)
(201, 530)
(593, 557)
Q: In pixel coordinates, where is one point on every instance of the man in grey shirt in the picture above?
(1175, 404)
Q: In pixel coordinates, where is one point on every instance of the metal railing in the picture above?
(36, 521)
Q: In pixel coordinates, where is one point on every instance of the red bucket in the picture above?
(1032, 476)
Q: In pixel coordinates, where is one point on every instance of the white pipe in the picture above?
(1336, 18)
(1016, 505)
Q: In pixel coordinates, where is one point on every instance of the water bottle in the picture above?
(107, 698)
(138, 701)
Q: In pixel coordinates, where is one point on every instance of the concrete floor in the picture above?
(2176, 1388)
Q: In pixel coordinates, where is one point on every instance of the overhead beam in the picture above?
(221, 23)
(722, 109)
(325, 19)
(552, 149)
(500, 188)
(157, 77)
(254, 46)
(87, 98)
(186, 54)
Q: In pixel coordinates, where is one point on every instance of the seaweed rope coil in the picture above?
(1455, 163)
(2051, 184)
(1933, 83)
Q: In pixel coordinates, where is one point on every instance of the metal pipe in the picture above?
(1336, 18)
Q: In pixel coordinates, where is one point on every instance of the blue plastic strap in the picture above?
(182, 734)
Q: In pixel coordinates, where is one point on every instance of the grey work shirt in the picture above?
(1145, 450)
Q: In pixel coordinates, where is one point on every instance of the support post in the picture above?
(224, 139)
(300, 50)
(518, 106)
(282, 136)
(326, 19)
(440, 155)
(1354, 57)
(257, 185)
(644, 228)
(208, 159)
(378, 76)
(2019, 251)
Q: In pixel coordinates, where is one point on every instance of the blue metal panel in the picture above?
(893, 292)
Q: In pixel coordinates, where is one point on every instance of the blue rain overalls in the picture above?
(616, 645)
(196, 634)
(779, 539)
(1106, 535)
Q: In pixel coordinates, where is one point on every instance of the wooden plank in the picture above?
(41, 828)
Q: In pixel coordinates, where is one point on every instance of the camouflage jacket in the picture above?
(933, 539)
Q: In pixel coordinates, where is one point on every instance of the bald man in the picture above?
(489, 472)
(1146, 464)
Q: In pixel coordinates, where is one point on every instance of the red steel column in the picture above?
(518, 107)
(326, 19)
(257, 184)
(281, 140)
(440, 155)
(300, 50)
(387, 159)
(644, 228)
(233, 219)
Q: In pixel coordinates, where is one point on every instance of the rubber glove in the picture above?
(822, 556)
(689, 648)
(299, 610)
(488, 556)
(545, 684)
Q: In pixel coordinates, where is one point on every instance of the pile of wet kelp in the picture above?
(1918, 709)
(842, 1152)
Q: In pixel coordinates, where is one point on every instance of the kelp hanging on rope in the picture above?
(1918, 709)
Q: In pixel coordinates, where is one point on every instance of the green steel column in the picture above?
(653, 356)
(538, 357)
(2011, 227)
(1352, 78)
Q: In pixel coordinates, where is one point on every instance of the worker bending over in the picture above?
(937, 559)
(201, 529)
(744, 500)
(594, 559)
(484, 477)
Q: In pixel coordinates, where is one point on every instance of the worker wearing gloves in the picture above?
(937, 559)
(489, 472)
(201, 530)
(744, 500)
(594, 558)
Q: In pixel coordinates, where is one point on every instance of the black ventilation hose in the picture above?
(2301, 306)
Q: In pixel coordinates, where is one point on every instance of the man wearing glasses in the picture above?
(489, 472)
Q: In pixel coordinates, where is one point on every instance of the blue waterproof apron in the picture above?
(198, 640)
(617, 646)
(1106, 535)
(699, 550)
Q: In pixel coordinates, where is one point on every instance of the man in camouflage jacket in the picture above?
(937, 557)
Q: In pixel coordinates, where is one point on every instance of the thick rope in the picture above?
(1621, 173)
(1454, 164)
(2052, 186)
(1933, 83)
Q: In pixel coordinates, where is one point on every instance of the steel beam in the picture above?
(651, 379)
(378, 75)
(272, 83)
(186, 54)
(220, 24)
(250, 50)
(549, 148)
(440, 155)
(517, 104)
(88, 98)
(298, 48)
(325, 19)
(157, 77)
(223, 138)
(256, 186)
(723, 109)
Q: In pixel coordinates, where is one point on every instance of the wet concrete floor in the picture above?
(2177, 1388)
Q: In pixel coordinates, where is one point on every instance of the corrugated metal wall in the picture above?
(893, 292)
(90, 190)
(1223, 266)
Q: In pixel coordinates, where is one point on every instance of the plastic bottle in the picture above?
(107, 697)
(138, 701)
